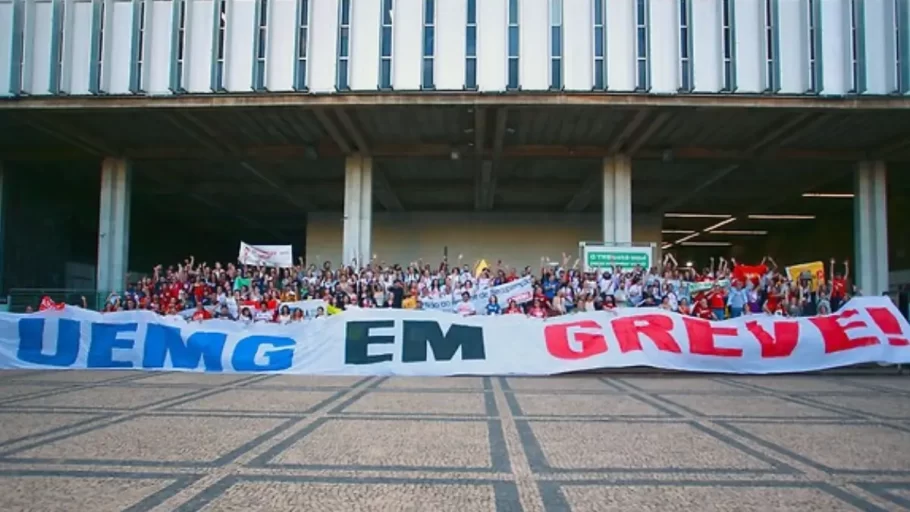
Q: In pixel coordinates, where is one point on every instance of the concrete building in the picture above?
(505, 129)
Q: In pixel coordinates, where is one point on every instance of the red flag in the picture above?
(754, 273)
(48, 303)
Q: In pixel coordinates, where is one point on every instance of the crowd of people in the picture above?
(722, 289)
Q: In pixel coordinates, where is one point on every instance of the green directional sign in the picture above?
(627, 258)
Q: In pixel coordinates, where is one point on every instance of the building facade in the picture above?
(162, 47)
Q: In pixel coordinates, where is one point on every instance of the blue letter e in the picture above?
(31, 339)
(244, 359)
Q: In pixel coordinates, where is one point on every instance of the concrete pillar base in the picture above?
(114, 224)
(617, 199)
(358, 210)
(870, 228)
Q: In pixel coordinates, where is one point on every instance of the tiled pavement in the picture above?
(98, 441)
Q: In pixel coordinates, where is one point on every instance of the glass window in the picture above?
(428, 41)
(302, 43)
(513, 73)
(640, 11)
(513, 11)
(472, 12)
(513, 41)
(556, 74)
(598, 12)
(556, 41)
(642, 74)
(471, 74)
(556, 12)
(599, 42)
(684, 42)
(427, 73)
(343, 75)
(471, 42)
(429, 12)
(386, 41)
(599, 78)
(385, 74)
(387, 12)
(642, 45)
(345, 12)
(344, 42)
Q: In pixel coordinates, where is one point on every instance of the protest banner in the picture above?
(814, 269)
(281, 256)
(408, 342)
(521, 291)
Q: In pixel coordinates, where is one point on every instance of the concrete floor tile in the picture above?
(584, 405)
(157, 439)
(258, 400)
(417, 403)
(104, 397)
(351, 443)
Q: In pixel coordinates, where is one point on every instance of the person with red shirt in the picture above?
(703, 311)
(839, 285)
(537, 310)
(717, 301)
(513, 308)
(201, 313)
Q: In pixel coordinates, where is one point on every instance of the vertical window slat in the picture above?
(514, 44)
(219, 33)
(642, 46)
(556, 45)
(17, 61)
(427, 80)
(385, 46)
(138, 46)
(301, 44)
(260, 44)
(470, 73)
(685, 46)
(599, 39)
(728, 17)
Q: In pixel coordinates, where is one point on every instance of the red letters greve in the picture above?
(778, 342)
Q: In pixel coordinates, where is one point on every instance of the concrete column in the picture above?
(366, 209)
(358, 210)
(870, 228)
(114, 224)
(617, 199)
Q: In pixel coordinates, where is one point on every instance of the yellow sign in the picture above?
(482, 264)
(815, 268)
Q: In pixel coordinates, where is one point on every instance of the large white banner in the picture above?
(407, 342)
(520, 290)
(281, 256)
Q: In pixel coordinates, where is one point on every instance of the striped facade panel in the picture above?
(451, 23)
(707, 39)
(365, 26)
(794, 47)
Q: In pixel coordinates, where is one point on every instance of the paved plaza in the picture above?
(111, 441)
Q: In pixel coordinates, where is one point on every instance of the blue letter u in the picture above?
(31, 337)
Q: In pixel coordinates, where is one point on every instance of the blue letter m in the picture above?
(161, 340)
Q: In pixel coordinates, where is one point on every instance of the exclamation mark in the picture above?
(889, 324)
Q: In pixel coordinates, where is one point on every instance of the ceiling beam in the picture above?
(646, 134)
(215, 206)
(444, 151)
(211, 138)
(280, 187)
(788, 130)
(627, 131)
(486, 176)
(678, 200)
(480, 130)
(358, 138)
(332, 131)
(448, 98)
(74, 136)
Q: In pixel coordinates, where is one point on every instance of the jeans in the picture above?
(736, 312)
(718, 313)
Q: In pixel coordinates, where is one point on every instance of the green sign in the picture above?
(618, 258)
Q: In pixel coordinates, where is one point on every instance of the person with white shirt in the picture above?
(465, 307)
